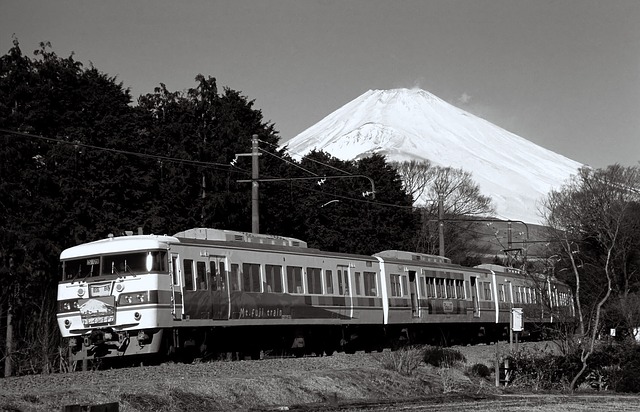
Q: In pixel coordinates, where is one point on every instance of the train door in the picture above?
(344, 289)
(219, 289)
(177, 297)
(413, 293)
(474, 297)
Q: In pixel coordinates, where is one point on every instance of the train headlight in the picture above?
(137, 316)
(66, 306)
(67, 323)
(119, 287)
(141, 297)
(81, 292)
(149, 262)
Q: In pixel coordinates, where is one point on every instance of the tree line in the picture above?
(79, 159)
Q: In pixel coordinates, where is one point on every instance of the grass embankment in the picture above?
(327, 382)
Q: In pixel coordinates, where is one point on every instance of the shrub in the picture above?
(480, 370)
(610, 367)
(628, 377)
(437, 356)
(538, 370)
(403, 361)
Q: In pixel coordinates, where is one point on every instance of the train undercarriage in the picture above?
(108, 348)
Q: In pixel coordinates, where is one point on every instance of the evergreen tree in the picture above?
(57, 189)
(206, 130)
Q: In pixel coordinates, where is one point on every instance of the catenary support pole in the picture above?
(255, 216)
(441, 226)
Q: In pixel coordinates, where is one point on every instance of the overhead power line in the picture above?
(120, 151)
(309, 159)
(211, 165)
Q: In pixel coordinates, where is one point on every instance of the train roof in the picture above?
(500, 268)
(404, 255)
(234, 236)
(119, 244)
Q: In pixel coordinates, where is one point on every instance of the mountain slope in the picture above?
(412, 124)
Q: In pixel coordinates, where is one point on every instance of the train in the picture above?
(212, 293)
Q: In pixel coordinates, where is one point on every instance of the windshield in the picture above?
(120, 264)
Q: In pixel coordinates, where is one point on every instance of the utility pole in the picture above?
(255, 182)
(441, 225)
(255, 216)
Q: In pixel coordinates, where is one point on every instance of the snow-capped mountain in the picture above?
(412, 124)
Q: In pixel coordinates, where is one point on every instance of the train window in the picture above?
(394, 281)
(486, 287)
(176, 280)
(430, 286)
(501, 294)
(314, 281)
(188, 274)
(201, 275)
(449, 288)
(215, 278)
(251, 277)
(370, 285)
(518, 298)
(440, 289)
(459, 285)
(273, 274)
(343, 281)
(217, 275)
(423, 289)
(158, 262)
(294, 279)
(235, 279)
(328, 282)
(358, 283)
(122, 264)
(405, 289)
(81, 268)
(221, 281)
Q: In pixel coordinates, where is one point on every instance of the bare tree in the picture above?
(587, 217)
(455, 191)
(458, 191)
(415, 176)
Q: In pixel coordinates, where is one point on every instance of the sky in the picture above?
(564, 74)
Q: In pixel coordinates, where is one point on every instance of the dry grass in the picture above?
(267, 384)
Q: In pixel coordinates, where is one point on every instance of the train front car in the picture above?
(114, 296)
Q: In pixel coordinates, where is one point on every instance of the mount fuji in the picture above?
(413, 124)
